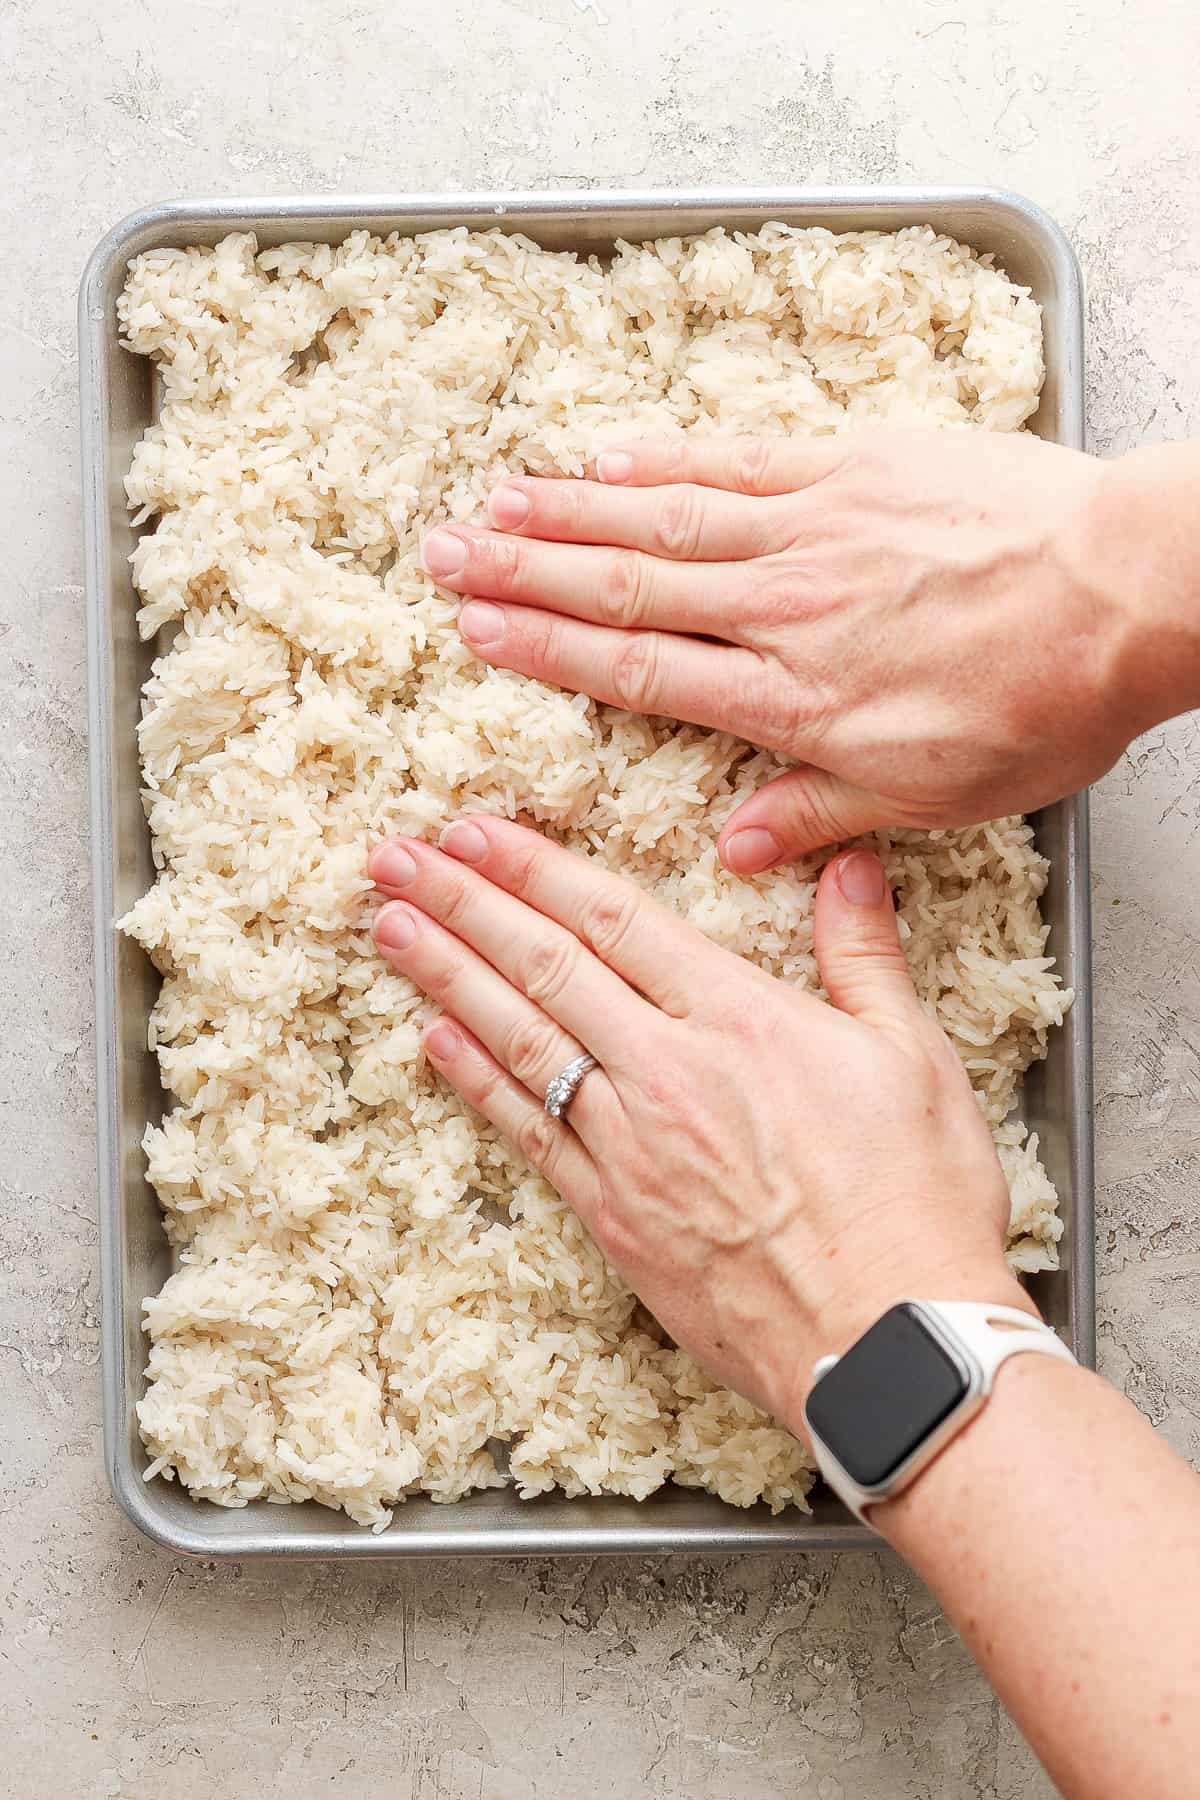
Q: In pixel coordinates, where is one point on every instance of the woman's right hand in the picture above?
(768, 1172)
(938, 626)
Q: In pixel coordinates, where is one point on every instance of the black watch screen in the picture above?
(882, 1399)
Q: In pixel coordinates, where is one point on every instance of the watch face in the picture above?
(884, 1397)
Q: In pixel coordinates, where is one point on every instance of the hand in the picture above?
(768, 1172)
(928, 622)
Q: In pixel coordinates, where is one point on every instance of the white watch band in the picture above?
(980, 1339)
(994, 1333)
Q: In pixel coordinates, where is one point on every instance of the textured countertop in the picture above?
(125, 1673)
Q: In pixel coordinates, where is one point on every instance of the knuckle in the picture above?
(751, 464)
(675, 459)
(926, 1071)
(441, 979)
(522, 872)
(538, 1138)
(455, 904)
(528, 1047)
(542, 636)
(506, 561)
(865, 951)
(679, 524)
(777, 595)
(743, 1005)
(669, 1071)
(557, 506)
(773, 526)
(547, 968)
(622, 588)
(810, 816)
(752, 1023)
(607, 919)
(482, 1086)
(636, 673)
(791, 713)
(665, 1094)
(574, 506)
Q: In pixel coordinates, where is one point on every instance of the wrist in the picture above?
(845, 1316)
(975, 1467)
(1142, 547)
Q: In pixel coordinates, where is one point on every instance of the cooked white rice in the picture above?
(372, 1291)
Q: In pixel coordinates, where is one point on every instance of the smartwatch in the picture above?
(879, 1413)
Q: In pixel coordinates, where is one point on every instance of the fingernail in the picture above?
(442, 1040)
(614, 466)
(860, 877)
(464, 841)
(481, 623)
(442, 554)
(747, 852)
(507, 507)
(395, 926)
(392, 866)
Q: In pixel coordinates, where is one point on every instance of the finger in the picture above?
(608, 586)
(801, 811)
(857, 944)
(522, 1038)
(652, 672)
(681, 522)
(646, 943)
(528, 951)
(740, 465)
(550, 1145)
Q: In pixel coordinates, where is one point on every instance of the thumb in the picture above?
(857, 943)
(801, 811)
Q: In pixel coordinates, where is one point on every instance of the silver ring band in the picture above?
(562, 1089)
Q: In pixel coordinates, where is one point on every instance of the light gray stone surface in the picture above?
(123, 1673)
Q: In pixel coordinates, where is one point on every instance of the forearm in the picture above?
(1063, 1540)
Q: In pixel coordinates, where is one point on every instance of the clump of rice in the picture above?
(372, 1291)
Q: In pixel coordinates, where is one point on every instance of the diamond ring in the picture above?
(561, 1090)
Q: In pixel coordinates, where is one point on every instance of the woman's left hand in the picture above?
(768, 1172)
(933, 626)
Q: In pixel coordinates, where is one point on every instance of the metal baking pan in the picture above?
(117, 396)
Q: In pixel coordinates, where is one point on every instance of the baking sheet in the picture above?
(117, 403)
